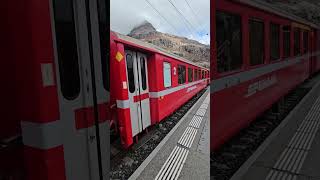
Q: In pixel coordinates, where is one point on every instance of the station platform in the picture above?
(184, 152)
(292, 151)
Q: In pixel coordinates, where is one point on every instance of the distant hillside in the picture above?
(186, 48)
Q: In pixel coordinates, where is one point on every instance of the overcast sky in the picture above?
(126, 14)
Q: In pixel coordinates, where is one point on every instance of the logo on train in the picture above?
(261, 85)
(191, 88)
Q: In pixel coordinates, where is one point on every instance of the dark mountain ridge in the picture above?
(181, 46)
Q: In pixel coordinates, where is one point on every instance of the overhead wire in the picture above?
(178, 11)
(194, 31)
(164, 18)
(195, 15)
(188, 23)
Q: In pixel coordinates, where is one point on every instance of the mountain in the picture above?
(181, 46)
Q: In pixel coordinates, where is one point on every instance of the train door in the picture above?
(79, 47)
(137, 76)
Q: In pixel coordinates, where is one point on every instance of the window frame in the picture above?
(238, 66)
(61, 54)
(297, 30)
(305, 49)
(284, 31)
(132, 86)
(164, 82)
(190, 70)
(195, 74)
(143, 72)
(263, 48)
(103, 17)
(271, 43)
(184, 74)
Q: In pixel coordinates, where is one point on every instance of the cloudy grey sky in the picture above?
(193, 23)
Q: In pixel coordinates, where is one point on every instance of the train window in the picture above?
(104, 42)
(297, 42)
(199, 75)
(286, 41)
(190, 75)
(167, 74)
(67, 48)
(202, 74)
(143, 73)
(181, 74)
(305, 42)
(229, 41)
(274, 42)
(256, 31)
(129, 60)
(195, 74)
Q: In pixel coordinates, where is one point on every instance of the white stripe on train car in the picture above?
(233, 80)
(175, 89)
(123, 104)
(42, 135)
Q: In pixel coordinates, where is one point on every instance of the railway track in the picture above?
(125, 162)
(229, 158)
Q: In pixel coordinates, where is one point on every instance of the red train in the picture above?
(59, 97)
(148, 85)
(260, 54)
(55, 53)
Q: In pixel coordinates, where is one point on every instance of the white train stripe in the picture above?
(123, 104)
(174, 89)
(233, 80)
(45, 135)
(42, 136)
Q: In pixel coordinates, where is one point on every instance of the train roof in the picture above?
(269, 8)
(153, 48)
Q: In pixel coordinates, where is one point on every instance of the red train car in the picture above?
(261, 54)
(53, 64)
(60, 100)
(148, 84)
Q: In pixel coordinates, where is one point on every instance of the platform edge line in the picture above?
(245, 167)
(145, 163)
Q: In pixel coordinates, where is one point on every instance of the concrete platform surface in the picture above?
(292, 151)
(184, 152)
